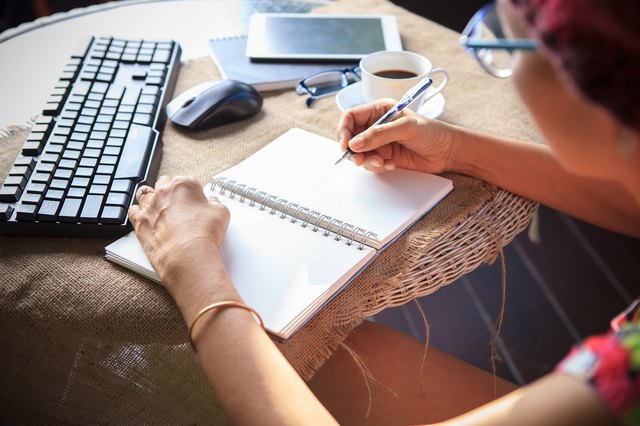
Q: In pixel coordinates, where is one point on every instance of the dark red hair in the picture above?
(596, 44)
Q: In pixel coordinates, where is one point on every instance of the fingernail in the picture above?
(375, 162)
(389, 166)
(356, 143)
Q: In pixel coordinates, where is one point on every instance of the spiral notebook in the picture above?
(301, 227)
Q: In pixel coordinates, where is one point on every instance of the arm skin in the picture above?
(555, 400)
(526, 169)
(181, 232)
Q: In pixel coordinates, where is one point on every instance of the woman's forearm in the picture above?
(566, 401)
(251, 378)
(529, 170)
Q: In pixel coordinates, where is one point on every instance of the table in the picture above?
(84, 341)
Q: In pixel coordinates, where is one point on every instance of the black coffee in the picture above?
(397, 74)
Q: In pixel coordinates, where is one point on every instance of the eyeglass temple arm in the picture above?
(501, 43)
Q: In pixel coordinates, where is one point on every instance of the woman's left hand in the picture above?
(180, 230)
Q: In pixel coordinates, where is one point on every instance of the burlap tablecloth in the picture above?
(84, 341)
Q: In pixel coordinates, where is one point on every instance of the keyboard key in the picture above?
(150, 90)
(96, 144)
(41, 178)
(118, 199)
(63, 174)
(104, 169)
(100, 88)
(145, 109)
(144, 119)
(88, 162)
(32, 147)
(48, 210)
(148, 99)
(162, 56)
(25, 161)
(6, 210)
(31, 198)
(54, 149)
(84, 171)
(102, 179)
(20, 171)
(113, 214)
(49, 158)
(122, 185)
(82, 182)
(68, 163)
(85, 119)
(135, 153)
(60, 184)
(26, 212)
(108, 159)
(69, 210)
(51, 108)
(15, 181)
(10, 194)
(91, 208)
(54, 194)
(154, 81)
(139, 74)
(45, 168)
(131, 95)
(111, 150)
(36, 188)
(115, 92)
(76, 192)
(98, 189)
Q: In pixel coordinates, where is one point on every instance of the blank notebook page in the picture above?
(299, 166)
(284, 271)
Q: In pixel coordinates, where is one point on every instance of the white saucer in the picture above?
(351, 96)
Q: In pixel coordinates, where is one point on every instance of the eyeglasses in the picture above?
(326, 83)
(484, 38)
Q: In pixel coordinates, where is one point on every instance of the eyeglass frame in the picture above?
(473, 44)
(303, 89)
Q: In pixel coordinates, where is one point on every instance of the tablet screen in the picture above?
(282, 36)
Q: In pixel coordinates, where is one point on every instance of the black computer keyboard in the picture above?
(96, 141)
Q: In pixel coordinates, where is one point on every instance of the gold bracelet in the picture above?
(216, 305)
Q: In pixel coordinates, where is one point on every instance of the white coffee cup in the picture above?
(378, 80)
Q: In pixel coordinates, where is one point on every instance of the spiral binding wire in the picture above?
(294, 211)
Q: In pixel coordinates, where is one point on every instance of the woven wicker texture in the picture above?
(84, 341)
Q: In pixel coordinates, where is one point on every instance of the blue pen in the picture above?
(411, 95)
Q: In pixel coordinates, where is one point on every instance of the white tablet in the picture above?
(302, 36)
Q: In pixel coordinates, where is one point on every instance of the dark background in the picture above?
(453, 13)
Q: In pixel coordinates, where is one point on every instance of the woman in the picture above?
(586, 104)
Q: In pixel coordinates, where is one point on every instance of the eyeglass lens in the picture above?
(329, 82)
(490, 29)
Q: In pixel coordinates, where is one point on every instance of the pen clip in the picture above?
(416, 91)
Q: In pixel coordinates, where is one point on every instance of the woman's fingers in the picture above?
(144, 195)
(400, 131)
(357, 119)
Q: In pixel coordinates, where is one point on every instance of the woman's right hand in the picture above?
(410, 141)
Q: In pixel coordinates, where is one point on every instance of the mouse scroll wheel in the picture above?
(188, 102)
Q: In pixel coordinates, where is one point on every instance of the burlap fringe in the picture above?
(434, 264)
(16, 128)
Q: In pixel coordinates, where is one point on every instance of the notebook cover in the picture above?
(229, 54)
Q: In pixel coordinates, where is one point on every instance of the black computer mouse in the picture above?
(214, 103)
